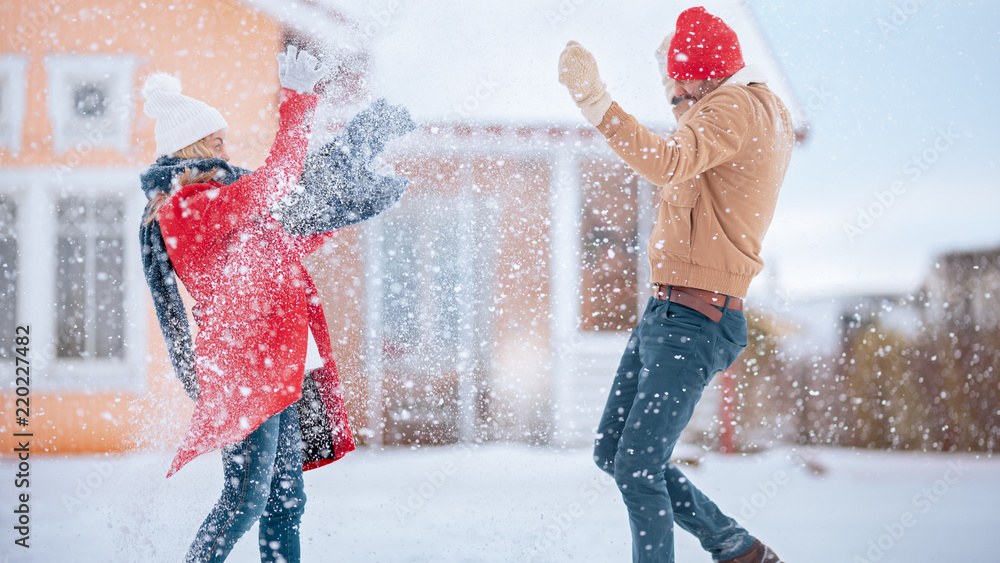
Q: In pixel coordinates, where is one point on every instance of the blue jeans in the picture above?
(263, 482)
(671, 356)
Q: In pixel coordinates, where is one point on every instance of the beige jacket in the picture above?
(720, 174)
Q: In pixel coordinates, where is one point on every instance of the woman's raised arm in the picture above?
(218, 211)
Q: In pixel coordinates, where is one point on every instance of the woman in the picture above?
(213, 224)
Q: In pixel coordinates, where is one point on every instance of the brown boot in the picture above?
(758, 553)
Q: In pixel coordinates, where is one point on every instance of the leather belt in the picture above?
(698, 299)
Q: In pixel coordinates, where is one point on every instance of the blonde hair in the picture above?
(196, 150)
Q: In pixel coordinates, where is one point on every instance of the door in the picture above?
(432, 327)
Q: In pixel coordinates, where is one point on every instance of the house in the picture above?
(961, 290)
(492, 303)
(74, 140)
(961, 317)
(910, 371)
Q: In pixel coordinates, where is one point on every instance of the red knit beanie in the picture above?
(703, 47)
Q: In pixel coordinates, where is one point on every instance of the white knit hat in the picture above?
(180, 120)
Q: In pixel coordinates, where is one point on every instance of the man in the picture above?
(720, 174)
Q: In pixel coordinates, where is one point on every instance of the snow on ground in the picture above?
(516, 503)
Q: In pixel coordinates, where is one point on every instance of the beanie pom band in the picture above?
(180, 120)
(161, 82)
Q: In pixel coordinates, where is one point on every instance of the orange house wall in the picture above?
(224, 56)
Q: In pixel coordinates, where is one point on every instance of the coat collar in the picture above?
(159, 176)
(746, 76)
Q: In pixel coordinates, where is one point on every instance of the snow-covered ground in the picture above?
(515, 503)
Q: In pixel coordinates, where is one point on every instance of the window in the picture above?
(90, 101)
(610, 247)
(8, 282)
(90, 294)
(12, 86)
(72, 271)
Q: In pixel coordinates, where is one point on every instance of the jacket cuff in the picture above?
(595, 111)
(293, 96)
(614, 119)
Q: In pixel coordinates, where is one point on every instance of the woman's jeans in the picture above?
(671, 356)
(263, 482)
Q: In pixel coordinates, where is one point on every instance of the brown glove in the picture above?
(578, 72)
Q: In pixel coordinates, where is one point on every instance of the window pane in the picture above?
(71, 212)
(71, 296)
(108, 214)
(109, 317)
(609, 253)
(90, 294)
(399, 323)
(90, 99)
(422, 285)
(8, 282)
(444, 276)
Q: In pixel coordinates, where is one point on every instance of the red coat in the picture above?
(252, 292)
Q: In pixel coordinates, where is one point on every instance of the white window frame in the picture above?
(36, 193)
(73, 132)
(13, 84)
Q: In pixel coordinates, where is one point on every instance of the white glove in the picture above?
(578, 72)
(299, 70)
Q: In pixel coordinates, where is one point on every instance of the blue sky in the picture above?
(883, 94)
